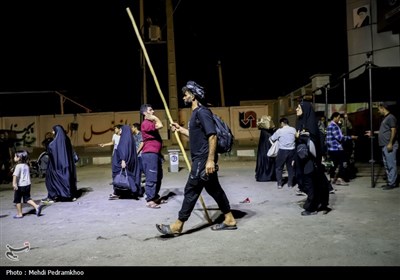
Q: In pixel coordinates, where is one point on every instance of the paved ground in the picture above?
(362, 230)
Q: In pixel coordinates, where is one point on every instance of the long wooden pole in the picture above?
(164, 102)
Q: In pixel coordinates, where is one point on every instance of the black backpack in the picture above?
(225, 137)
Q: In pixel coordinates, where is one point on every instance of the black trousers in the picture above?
(196, 182)
(338, 158)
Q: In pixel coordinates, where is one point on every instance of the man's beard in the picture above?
(188, 103)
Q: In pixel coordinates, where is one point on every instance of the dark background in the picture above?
(88, 51)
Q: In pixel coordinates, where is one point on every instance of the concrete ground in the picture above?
(362, 230)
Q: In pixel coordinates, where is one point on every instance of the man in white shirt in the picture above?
(286, 136)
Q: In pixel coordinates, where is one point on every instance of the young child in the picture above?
(22, 184)
(115, 138)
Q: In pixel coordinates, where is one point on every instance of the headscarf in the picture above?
(61, 175)
(58, 148)
(126, 150)
(196, 89)
(308, 122)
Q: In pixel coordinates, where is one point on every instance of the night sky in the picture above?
(89, 51)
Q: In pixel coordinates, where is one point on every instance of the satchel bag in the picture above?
(273, 151)
(121, 180)
(302, 151)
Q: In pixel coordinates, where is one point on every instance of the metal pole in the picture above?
(221, 84)
(326, 104)
(345, 105)
(368, 65)
(61, 104)
(371, 128)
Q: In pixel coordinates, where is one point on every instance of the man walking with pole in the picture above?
(203, 174)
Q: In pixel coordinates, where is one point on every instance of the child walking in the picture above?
(22, 184)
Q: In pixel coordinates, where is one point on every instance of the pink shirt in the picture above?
(152, 142)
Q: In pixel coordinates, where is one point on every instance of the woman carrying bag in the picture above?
(125, 159)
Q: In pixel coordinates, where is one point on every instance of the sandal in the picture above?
(161, 201)
(166, 230)
(153, 205)
(223, 226)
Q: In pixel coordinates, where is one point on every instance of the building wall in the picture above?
(384, 46)
(91, 129)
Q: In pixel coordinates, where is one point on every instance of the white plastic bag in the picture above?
(273, 151)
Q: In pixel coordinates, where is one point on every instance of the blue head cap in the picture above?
(196, 89)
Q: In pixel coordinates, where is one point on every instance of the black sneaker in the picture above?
(47, 200)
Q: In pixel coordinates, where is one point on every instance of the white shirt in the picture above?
(22, 173)
(286, 136)
(115, 139)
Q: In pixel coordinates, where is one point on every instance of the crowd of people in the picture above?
(314, 150)
(137, 150)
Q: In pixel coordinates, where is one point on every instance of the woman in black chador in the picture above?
(310, 174)
(125, 157)
(265, 166)
(61, 170)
